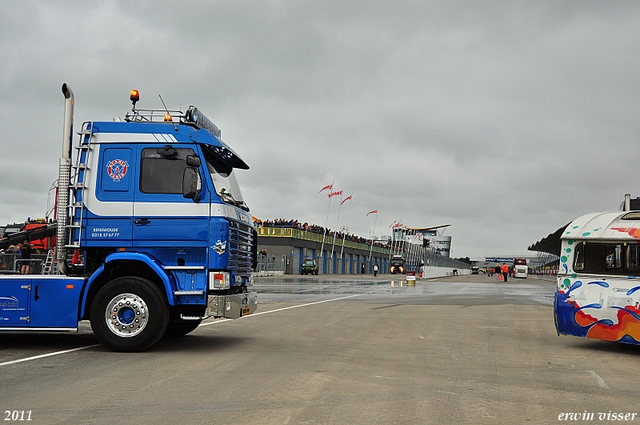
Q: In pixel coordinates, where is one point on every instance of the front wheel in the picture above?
(129, 314)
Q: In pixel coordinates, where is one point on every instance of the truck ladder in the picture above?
(77, 188)
(50, 265)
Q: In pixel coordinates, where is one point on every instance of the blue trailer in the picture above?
(153, 233)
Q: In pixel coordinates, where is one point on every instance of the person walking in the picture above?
(498, 272)
(505, 271)
(375, 269)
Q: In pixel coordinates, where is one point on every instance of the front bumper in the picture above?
(232, 306)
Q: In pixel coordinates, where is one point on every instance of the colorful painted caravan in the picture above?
(598, 293)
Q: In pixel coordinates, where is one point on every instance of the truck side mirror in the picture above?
(191, 183)
(193, 161)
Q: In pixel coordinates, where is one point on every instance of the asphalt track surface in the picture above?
(337, 350)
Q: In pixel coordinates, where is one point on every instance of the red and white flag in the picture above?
(372, 212)
(346, 199)
(327, 187)
(335, 193)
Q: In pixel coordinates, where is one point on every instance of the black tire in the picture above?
(129, 314)
(181, 327)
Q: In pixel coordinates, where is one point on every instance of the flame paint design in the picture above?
(627, 325)
(572, 320)
(631, 231)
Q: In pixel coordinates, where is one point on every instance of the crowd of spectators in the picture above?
(18, 257)
(279, 222)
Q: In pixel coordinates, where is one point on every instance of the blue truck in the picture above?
(153, 235)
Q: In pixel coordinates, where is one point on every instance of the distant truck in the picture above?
(598, 287)
(396, 264)
(519, 268)
(157, 215)
(39, 233)
(19, 232)
(309, 266)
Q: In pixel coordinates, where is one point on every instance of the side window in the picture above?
(607, 258)
(601, 258)
(578, 262)
(613, 259)
(161, 169)
(633, 265)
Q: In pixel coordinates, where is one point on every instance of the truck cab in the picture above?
(153, 232)
(519, 267)
(396, 264)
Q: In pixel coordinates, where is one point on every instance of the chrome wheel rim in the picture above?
(126, 315)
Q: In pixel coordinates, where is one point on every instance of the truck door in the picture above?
(163, 217)
(110, 204)
(14, 302)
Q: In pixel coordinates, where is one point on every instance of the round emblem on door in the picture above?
(117, 169)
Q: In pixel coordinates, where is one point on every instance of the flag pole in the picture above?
(393, 237)
(333, 245)
(404, 243)
(346, 228)
(326, 223)
(374, 232)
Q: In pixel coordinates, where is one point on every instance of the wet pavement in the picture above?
(395, 289)
(338, 350)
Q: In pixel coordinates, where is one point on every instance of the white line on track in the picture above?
(599, 380)
(57, 353)
(41, 356)
(287, 308)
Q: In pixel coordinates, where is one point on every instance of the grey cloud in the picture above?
(504, 119)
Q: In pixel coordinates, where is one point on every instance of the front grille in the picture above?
(240, 248)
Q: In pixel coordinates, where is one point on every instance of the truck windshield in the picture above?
(224, 181)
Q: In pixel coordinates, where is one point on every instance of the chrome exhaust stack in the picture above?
(627, 202)
(64, 177)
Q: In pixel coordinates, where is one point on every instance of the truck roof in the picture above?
(609, 225)
(163, 134)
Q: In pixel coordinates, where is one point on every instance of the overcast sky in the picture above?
(505, 119)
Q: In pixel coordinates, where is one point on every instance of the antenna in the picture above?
(167, 117)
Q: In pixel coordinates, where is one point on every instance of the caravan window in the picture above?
(607, 258)
(578, 262)
(613, 257)
(633, 259)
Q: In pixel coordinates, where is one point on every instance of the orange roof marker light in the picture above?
(167, 118)
(134, 97)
